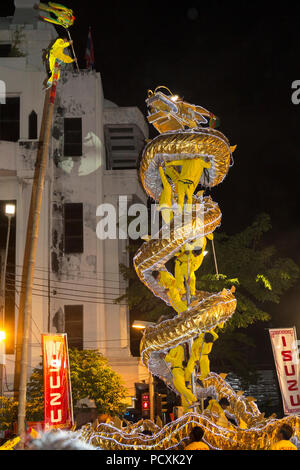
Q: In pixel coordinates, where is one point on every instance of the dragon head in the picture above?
(168, 112)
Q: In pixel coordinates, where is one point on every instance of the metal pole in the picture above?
(188, 297)
(25, 274)
(31, 248)
(151, 396)
(215, 258)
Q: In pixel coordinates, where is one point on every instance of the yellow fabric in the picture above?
(242, 424)
(215, 408)
(181, 272)
(34, 434)
(197, 446)
(185, 267)
(176, 357)
(200, 352)
(169, 282)
(173, 174)
(165, 200)
(191, 171)
(195, 265)
(283, 445)
(9, 445)
(57, 52)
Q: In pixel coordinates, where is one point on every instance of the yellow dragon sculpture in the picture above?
(182, 137)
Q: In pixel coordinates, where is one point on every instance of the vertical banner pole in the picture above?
(22, 352)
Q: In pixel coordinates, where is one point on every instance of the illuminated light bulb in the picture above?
(10, 209)
(2, 335)
(174, 97)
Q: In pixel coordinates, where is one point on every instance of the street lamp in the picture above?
(10, 210)
(141, 325)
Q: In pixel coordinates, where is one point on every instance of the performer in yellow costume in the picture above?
(218, 408)
(166, 197)
(196, 442)
(57, 53)
(176, 358)
(186, 264)
(188, 261)
(168, 281)
(191, 171)
(200, 350)
(284, 435)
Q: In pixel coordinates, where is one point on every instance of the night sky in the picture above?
(239, 61)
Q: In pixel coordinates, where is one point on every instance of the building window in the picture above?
(32, 125)
(123, 146)
(10, 119)
(74, 325)
(5, 50)
(73, 215)
(72, 137)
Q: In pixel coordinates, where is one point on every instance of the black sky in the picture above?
(237, 59)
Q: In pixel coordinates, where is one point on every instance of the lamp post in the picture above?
(141, 325)
(9, 212)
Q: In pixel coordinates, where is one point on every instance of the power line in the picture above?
(69, 299)
(81, 271)
(70, 282)
(81, 296)
(20, 283)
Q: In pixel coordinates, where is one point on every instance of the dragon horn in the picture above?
(57, 6)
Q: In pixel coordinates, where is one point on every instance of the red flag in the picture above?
(89, 52)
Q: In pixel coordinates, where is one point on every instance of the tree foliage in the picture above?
(8, 412)
(91, 377)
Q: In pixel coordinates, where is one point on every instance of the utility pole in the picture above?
(25, 306)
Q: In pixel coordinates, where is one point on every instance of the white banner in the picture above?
(286, 356)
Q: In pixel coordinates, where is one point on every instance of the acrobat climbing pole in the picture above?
(25, 306)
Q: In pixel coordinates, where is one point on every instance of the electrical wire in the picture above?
(19, 283)
(70, 299)
(67, 282)
(105, 273)
(97, 286)
(94, 299)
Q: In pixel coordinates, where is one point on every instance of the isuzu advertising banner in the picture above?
(57, 385)
(286, 356)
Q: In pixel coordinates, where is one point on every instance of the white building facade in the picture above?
(93, 155)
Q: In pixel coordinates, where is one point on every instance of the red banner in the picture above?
(286, 356)
(57, 385)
